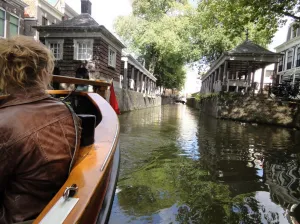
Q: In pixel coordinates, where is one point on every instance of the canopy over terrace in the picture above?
(235, 69)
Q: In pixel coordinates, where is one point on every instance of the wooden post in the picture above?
(248, 78)
(138, 81)
(132, 78)
(275, 73)
(262, 80)
(225, 74)
(125, 73)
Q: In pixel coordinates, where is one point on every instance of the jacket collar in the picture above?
(24, 96)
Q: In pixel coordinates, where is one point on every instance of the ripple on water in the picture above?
(179, 166)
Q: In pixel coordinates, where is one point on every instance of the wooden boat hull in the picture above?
(96, 170)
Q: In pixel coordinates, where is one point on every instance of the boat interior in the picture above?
(94, 175)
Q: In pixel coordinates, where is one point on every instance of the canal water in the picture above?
(179, 166)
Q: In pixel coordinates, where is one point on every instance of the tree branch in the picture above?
(291, 15)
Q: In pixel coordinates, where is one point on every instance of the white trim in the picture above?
(87, 41)
(14, 15)
(87, 35)
(114, 61)
(50, 9)
(5, 23)
(288, 44)
(61, 47)
(286, 58)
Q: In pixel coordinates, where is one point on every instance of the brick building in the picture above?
(82, 39)
(11, 18)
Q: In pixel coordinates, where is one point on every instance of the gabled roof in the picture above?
(82, 20)
(248, 47)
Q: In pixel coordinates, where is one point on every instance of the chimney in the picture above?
(86, 7)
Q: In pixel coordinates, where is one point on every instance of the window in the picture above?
(44, 21)
(298, 57)
(112, 57)
(289, 60)
(280, 65)
(83, 49)
(294, 32)
(56, 46)
(269, 73)
(2, 23)
(13, 26)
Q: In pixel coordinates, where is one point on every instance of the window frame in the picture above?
(44, 19)
(61, 47)
(18, 18)
(291, 61)
(112, 64)
(89, 42)
(5, 23)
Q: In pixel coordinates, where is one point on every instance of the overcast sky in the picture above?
(105, 11)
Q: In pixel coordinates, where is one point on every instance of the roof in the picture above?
(82, 20)
(240, 56)
(248, 47)
(138, 65)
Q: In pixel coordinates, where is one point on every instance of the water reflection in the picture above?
(177, 168)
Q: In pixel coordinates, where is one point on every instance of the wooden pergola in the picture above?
(235, 69)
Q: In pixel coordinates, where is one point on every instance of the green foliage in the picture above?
(220, 25)
(270, 9)
(168, 34)
(157, 31)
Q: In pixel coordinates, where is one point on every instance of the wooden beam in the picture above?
(71, 80)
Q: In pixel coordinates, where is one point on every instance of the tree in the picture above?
(273, 8)
(157, 32)
(220, 25)
(168, 34)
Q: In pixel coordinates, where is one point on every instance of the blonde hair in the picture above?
(24, 63)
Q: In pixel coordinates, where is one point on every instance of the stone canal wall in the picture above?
(130, 100)
(252, 109)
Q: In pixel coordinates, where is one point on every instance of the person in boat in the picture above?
(82, 73)
(37, 132)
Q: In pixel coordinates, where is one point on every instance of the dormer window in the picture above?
(112, 55)
(83, 49)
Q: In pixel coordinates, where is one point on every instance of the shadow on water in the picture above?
(177, 167)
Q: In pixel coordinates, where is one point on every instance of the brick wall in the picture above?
(98, 67)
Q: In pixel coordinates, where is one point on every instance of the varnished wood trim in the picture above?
(70, 80)
(87, 172)
(3, 97)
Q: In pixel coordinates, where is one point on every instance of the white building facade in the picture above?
(289, 63)
(45, 12)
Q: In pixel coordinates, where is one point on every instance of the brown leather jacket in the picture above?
(37, 141)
